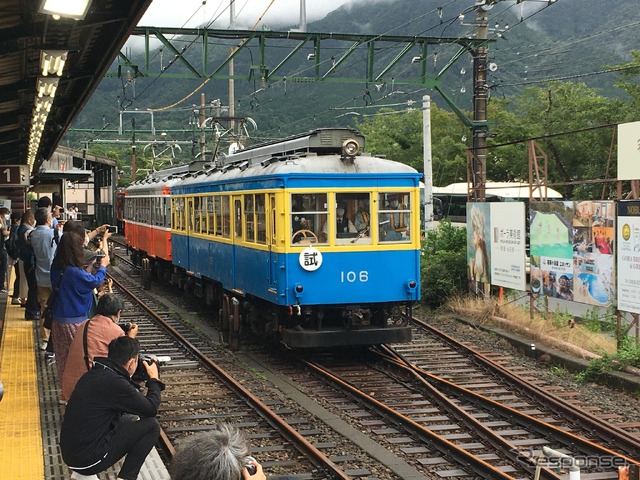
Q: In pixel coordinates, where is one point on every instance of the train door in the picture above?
(236, 234)
(272, 241)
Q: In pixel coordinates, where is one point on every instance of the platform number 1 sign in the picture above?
(14, 174)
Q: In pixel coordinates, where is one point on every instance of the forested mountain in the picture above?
(531, 43)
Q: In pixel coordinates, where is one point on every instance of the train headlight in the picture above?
(298, 290)
(350, 147)
(411, 286)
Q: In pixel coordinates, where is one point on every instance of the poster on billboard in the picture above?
(593, 252)
(551, 249)
(508, 245)
(628, 252)
(478, 238)
(572, 250)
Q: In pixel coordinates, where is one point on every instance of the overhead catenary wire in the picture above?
(302, 87)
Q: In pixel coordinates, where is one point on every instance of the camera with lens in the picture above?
(125, 327)
(141, 375)
(250, 466)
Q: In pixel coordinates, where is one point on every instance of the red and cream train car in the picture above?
(148, 219)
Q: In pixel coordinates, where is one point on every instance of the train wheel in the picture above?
(234, 326)
(145, 273)
(225, 320)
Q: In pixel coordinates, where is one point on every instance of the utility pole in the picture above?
(203, 140)
(133, 150)
(478, 167)
(303, 16)
(232, 86)
(428, 168)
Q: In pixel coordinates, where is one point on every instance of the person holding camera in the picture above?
(108, 418)
(74, 297)
(77, 227)
(92, 340)
(221, 453)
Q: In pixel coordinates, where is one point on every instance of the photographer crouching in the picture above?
(95, 432)
(92, 340)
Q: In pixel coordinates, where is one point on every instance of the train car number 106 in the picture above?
(351, 277)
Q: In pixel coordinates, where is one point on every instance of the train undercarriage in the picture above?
(294, 326)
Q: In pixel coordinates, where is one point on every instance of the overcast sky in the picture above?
(192, 13)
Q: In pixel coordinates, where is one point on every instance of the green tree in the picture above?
(573, 157)
(628, 81)
(398, 136)
(444, 266)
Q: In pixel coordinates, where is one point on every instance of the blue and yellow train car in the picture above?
(308, 241)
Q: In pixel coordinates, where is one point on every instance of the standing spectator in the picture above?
(44, 248)
(95, 433)
(76, 227)
(54, 209)
(100, 331)
(11, 246)
(4, 234)
(221, 453)
(28, 262)
(75, 296)
(72, 213)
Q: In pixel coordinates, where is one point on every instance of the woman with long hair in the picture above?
(73, 286)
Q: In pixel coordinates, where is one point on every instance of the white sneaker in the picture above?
(79, 476)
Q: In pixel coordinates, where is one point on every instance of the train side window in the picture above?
(182, 214)
(308, 214)
(157, 211)
(178, 214)
(249, 218)
(226, 217)
(261, 220)
(394, 216)
(217, 211)
(165, 212)
(237, 215)
(211, 217)
(274, 216)
(197, 215)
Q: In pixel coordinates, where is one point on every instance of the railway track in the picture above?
(204, 388)
(462, 415)
(441, 409)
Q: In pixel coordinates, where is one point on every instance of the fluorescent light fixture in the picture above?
(43, 104)
(52, 61)
(76, 9)
(47, 87)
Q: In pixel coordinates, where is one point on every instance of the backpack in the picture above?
(25, 250)
(11, 243)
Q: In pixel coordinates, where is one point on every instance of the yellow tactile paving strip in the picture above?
(20, 434)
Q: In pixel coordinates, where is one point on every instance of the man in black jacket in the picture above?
(95, 434)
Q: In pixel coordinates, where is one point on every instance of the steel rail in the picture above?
(448, 448)
(303, 445)
(555, 404)
(472, 423)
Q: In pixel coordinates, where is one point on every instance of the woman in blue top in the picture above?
(75, 285)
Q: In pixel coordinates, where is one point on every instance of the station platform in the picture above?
(30, 414)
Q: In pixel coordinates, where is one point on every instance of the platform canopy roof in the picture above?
(33, 115)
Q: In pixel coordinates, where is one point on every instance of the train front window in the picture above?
(394, 217)
(352, 219)
(308, 215)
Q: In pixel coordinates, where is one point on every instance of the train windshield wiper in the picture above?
(360, 235)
